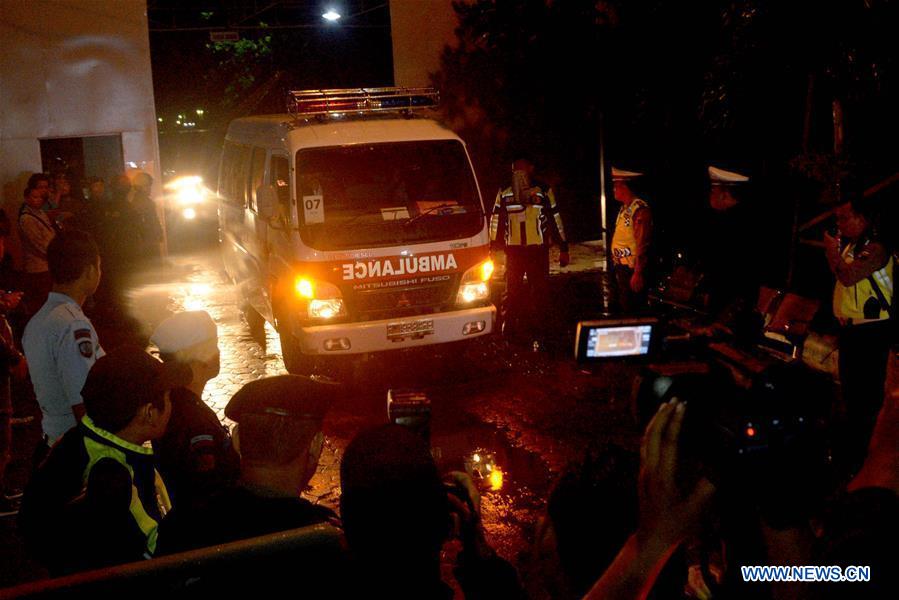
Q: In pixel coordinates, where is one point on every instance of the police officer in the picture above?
(60, 343)
(630, 243)
(97, 499)
(729, 252)
(279, 437)
(862, 302)
(524, 217)
(196, 456)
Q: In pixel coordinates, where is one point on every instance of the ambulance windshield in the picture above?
(372, 195)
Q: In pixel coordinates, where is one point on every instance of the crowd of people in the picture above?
(123, 222)
(720, 291)
(133, 465)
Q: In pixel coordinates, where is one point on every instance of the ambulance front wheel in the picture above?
(295, 361)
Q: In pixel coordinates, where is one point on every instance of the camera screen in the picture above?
(618, 341)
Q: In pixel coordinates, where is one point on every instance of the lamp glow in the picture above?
(303, 287)
(486, 270)
(496, 479)
(331, 15)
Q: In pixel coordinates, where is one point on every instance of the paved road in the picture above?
(534, 411)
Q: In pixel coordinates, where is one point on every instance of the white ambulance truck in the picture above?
(354, 225)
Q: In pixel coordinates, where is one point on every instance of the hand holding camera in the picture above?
(465, 512)
(667, 513)
(464, 502)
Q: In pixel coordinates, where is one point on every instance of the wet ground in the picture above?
(531, 411)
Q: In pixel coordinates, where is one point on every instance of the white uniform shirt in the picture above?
(61, 347)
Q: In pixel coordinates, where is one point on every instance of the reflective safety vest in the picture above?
(529, 223)
(849, 301)
(149, 498)
(624, 242)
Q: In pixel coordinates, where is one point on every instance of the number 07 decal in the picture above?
(314, 209)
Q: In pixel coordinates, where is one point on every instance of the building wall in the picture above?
(420, 30)
(74, 68)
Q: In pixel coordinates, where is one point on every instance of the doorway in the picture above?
(83, 157)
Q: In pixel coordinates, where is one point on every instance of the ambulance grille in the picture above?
(384, 304)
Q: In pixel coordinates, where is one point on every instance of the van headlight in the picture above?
(187, 191)
(475, 285)
(323, 299)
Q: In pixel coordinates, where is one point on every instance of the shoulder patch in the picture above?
(86, 348)
(82, 334)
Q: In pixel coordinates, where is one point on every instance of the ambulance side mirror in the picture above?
(266, 199)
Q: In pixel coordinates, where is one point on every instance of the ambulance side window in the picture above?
(257, 173)
(227, 155)
(229, 165)
(235, 165)
(279, 173)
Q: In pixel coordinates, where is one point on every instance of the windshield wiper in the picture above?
(434, 209)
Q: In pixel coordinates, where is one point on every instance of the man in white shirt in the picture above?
(60, 343)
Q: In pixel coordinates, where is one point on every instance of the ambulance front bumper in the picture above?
(393, 334)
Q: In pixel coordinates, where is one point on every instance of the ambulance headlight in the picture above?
(472, 292)
(475, 285)
(326, 309)
(323, 300)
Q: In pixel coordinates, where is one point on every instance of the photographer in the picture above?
(765, 451)
(591, 511)
(667, 514)
(397, 514)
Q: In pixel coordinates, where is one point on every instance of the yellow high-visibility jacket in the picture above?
(529, 223)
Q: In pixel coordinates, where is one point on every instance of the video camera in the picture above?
(765, 444)
(760, 436)
(410, 409)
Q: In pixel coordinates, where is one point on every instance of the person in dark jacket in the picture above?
(12, 362)
(147, 218)
(279, 436)
(196, 456)
(397, 513)
(97, 499)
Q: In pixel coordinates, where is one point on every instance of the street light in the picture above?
(331, 15)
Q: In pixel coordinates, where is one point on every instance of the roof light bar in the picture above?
(360, 100)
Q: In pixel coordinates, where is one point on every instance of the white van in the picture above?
(355, 225)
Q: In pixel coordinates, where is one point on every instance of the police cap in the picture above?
(623, 175)
(290, 396)
(723, 177)
(184, 330)
(122, 381)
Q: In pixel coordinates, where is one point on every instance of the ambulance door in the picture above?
(282, 231)
(257, 233)
(232, 208)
